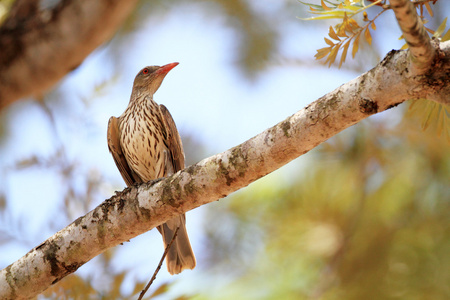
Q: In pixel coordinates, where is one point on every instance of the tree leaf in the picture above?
(344, 53)
(324, 6)
(349, 27)
(356, 45)
(333, 34)
(446, 36)
(428, 115)
(117, 282)
(368, 36)
(335, 13)
(341, 31)
(353, 8)
(329, 2)
(365, 17)
(345, 26)
(428, 7)
(440, 121)
(374, 27)
(440, 29)
(325, 15)
(322, 52)
(332, 57)
(429, 30)
(329, 42)
(163, 288)
(138, 287)
(311, 5)
(413, 104)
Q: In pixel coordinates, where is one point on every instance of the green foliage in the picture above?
(80, 287)
(345, 32)
(77, 287)
(349, 29)
(368, 220)
(435, 114)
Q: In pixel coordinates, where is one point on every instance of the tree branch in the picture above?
(421, 50)
(42, 44)
(142, 207)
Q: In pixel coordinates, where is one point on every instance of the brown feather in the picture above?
(116, 151)
(174, 140)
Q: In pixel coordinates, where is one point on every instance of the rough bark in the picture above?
(419, 43)
(142, 207)
(39, 45)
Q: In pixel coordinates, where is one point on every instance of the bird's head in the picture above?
(149, 79)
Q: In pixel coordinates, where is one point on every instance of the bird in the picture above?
(145, 145)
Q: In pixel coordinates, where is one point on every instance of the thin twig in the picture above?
(159, 265)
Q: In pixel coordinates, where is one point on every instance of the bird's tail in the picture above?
(180, 255)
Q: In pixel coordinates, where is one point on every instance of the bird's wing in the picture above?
(174, 139)
(116, 151)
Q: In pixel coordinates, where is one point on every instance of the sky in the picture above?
(206, 94)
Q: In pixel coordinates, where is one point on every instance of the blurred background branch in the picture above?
(39, 44)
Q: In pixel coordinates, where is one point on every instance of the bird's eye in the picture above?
(145, 71)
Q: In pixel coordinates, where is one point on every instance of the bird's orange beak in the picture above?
(166, 68)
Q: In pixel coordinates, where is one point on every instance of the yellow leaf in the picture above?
(324, 6)
(329, 42)
(365, 17)
(428, 115)
(163, 288)
(349, 27)
(332, 57)
(404, 47)
(353, 24)
(334, 13)
(311, 6)
(325, 15)
(341, 32)
(440, 29)
(374, 27)
(446, 36)
(321, 53)
(355, 45)
(429, 30)
(340, 6)
(354, 8)
(372, 4)
(117, 282)
(412, 105)
(333, 34)
(138, 287)
(440, 121)
(428, 7)
(368, 36)
(345, 18)
(344, 53)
